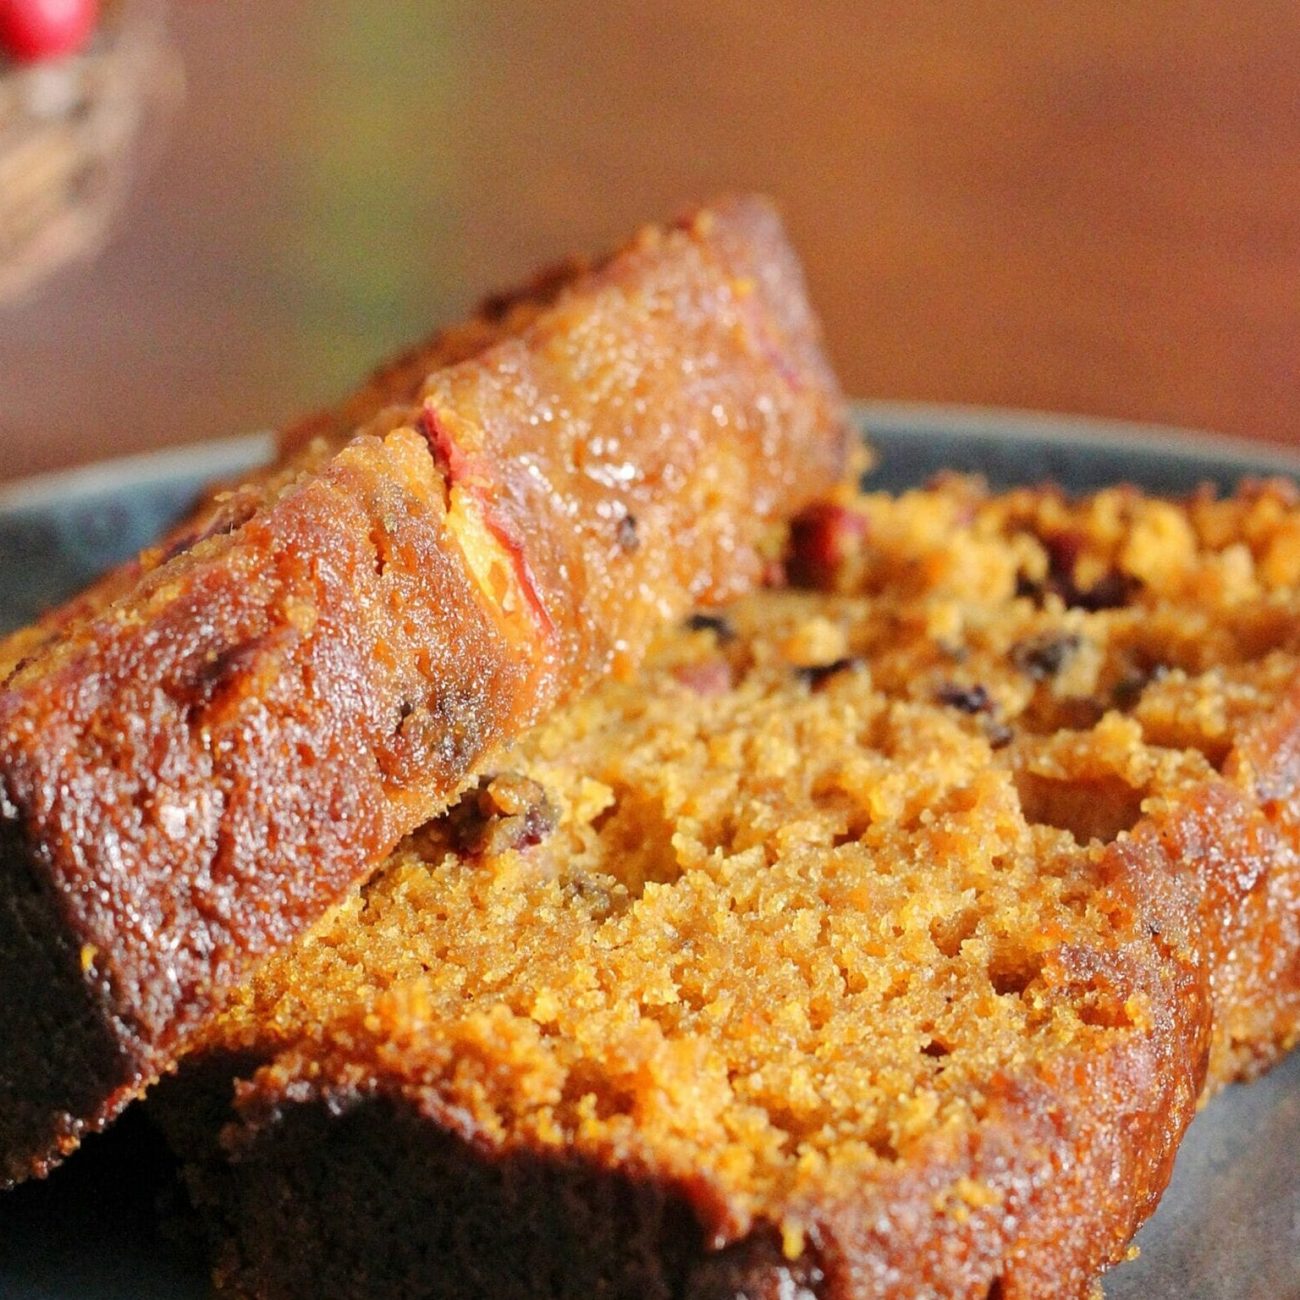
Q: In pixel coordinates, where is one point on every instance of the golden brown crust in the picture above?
(1255, 960)
(194, 772)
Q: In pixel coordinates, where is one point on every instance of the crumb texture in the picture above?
(862, 945)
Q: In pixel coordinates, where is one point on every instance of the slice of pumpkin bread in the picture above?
(207, 751)
(877, 940)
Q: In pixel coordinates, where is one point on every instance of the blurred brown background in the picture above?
(1087, 206)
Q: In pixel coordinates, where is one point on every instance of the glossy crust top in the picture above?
(198, 759)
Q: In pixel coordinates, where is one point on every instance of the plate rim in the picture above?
(1099, 433)
(210, 459)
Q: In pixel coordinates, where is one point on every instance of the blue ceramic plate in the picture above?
(1229, 1226)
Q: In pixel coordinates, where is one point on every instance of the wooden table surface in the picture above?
(1089, 206)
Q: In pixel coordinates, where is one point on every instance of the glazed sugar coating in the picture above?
(871, 942)
(206, 751)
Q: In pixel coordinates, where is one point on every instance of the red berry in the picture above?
(44, 29)
(823, 539)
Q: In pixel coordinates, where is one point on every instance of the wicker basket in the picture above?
(72, 137)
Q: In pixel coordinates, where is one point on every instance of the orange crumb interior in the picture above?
(784, 904)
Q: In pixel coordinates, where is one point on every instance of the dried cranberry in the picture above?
(822, 538)
(712, 677)
(500, 813)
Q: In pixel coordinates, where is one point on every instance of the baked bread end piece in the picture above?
(204, 753)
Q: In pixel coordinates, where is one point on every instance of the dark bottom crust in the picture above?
(461, 1227)
(67, 1067)
(312, 1207)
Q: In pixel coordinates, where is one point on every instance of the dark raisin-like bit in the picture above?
(1026, 586)
(1113, 590)
(714, 623)
(506, 811)
(627, 534)
(966, 699)
(976, 700)
(1128, 690)
(998, 734)
(817, 675)
(1063, 551)
(1044, 656)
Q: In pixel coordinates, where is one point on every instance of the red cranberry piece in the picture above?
(822, 539)
(709, 677)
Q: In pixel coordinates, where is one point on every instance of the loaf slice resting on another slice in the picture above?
(878, 940)
(204, 753)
